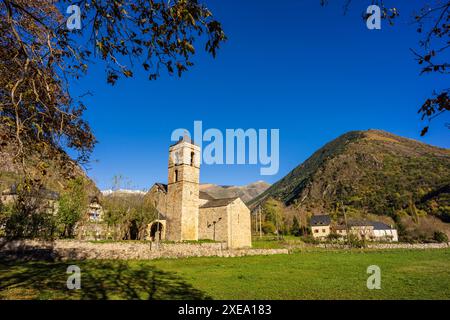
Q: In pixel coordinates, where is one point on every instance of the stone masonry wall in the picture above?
(183, 192)
(239, 225)
(416, 246)
(206, 227)
(81, 250)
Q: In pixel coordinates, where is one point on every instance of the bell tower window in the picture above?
(176, 175)
(192, 159)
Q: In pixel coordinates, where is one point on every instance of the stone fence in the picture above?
(422, 246)
(81, 250)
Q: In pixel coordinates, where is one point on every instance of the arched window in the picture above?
(176, 175)
(192, 159)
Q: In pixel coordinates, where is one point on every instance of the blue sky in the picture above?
(293, 65)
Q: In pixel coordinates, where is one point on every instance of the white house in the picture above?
(382, 231)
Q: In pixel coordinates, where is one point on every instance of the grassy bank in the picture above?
(406, 274)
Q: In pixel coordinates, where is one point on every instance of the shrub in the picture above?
(310, 239)
(295, 229)
(268, 227)
(440, 237)
(354, 242)
(333, 237)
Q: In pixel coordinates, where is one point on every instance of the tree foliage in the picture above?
(128, 216)
(39, 56)
(31, 215)
(73, 204)
(295, 228)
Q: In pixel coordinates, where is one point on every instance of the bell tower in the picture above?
(183, 191)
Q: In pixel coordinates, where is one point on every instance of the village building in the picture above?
(320, 226)
(340, 230)
(367, 230)
(384, 232)
(185, 213)
(92, 227)
(95, 210)
(47, 199)
(363, 230)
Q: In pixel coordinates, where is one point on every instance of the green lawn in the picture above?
(406, 274)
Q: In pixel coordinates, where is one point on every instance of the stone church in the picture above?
(185, 213)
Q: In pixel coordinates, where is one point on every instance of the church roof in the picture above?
(205, 196)
(218, 203)
(161, 186)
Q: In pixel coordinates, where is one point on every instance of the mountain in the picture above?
(123, 192)
(370, 172)
(246, 193)
(58, 167)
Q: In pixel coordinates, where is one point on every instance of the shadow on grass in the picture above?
(99, 280)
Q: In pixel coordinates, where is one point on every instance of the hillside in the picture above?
(246, 193)
(58, 168)
(370, 172)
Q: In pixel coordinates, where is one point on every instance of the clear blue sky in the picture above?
(294, 65)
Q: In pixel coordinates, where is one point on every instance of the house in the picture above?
(320, 226)
(92, 226)
(384, 232)
(95, 210)
(186, 213)
(362, 229)
(46, 199)
(340, 230)
(367, 230)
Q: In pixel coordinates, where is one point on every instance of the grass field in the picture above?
(406, 274)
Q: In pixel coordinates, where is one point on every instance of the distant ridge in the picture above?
(123, 191)
(246, 193)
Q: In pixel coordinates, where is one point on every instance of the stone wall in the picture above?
(234, 225)
(408, 246)
(416, 246)
(158, 197)
(240, 235)
(206, 227)
(81, 250)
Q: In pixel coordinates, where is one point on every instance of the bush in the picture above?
(310, 239)
(268, 227)
(30, 214)
(440, 237)
(295, 229)
(333, 237)
(354, 242)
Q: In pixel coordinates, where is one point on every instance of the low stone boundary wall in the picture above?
(82, 250)
(408, 246)
(422, 246)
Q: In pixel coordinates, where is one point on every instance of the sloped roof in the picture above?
(320, 220)
(365, 223)
(205, 196)
(218, 202)
(381, 226)
(161, 186)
